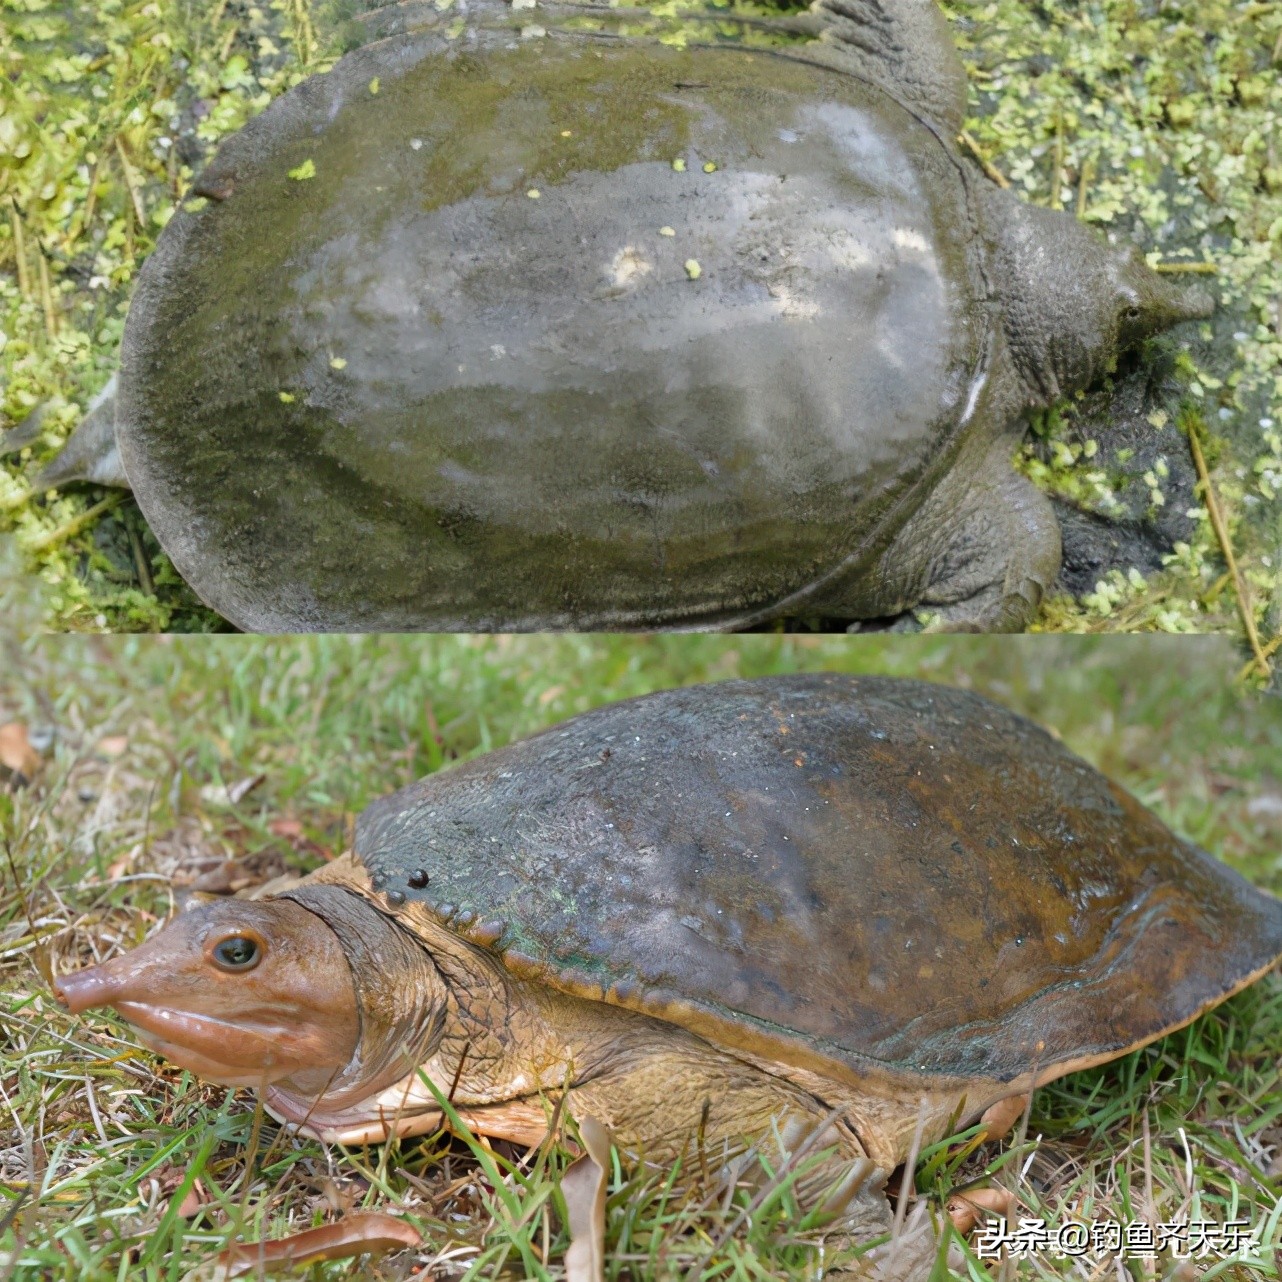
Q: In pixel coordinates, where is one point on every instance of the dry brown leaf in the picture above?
(196, 1199)
(232, 876)
(370, 1232)
(165, 1182)
(239, 790)
(292, 831)
(273, 886)
(119, 867)
(114, 745)
(16, 753)
(230, 794)
(583, 1187)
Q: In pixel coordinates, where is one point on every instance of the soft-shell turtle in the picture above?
(721, 912)
(479, 331)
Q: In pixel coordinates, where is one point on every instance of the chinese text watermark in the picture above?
(1136, 1240)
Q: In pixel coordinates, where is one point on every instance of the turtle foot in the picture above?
(91, 453)
(978, 556)
(914, 1253)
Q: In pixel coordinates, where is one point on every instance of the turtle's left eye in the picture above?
(1128, 308)
(237, 952)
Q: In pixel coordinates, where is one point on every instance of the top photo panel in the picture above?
(504, 315)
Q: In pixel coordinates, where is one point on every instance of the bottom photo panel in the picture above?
(585, 957)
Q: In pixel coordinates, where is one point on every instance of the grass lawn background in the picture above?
(1157, 120)
(144, 737)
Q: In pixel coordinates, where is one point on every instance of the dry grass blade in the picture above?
(1245, 607)
(76, 524)
(1201, 269)
(906, 1190)
(987, 165)
(19, 249)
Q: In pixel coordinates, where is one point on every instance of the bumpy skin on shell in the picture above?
(404, 394)
(852, 875)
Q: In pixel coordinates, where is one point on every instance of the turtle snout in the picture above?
(84, 989)
(1193, 304)
(1163, 302)
(1201, 304)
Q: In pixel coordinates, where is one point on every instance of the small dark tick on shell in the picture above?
(396, 897)
(418, 879)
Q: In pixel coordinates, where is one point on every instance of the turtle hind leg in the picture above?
(914, 1253)
(1001, 563)
(980, 553)
(904, 45)
(670, 1099)
(91, 453)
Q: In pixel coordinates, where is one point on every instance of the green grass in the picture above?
(100, 1141)
(1160, 119)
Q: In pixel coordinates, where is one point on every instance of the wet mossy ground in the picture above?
(1157, 122)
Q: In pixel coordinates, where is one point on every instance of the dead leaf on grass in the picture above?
(166, 1180)
(232, 876)
(583, 1187)
(291, 830)
(17, 755)
(372, 1232)
(230, 794)
(119, 867)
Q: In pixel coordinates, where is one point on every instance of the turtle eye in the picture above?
(236, 953)
(1128, 308)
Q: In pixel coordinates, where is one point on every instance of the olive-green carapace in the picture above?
(797, 910)
(499, 327)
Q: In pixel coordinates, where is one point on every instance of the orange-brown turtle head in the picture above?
(242, 993)
(314, 995)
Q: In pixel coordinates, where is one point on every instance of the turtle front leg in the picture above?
(90, 453)
(980, 553)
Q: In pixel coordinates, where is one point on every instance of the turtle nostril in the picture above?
(86, 988)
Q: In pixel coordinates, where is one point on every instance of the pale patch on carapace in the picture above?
(908, 239)
(630, 266)
(790, 307)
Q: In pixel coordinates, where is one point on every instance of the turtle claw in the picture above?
(911, 1255)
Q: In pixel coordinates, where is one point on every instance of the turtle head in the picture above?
(1072, 302)
(240, 992)
(314, 995)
